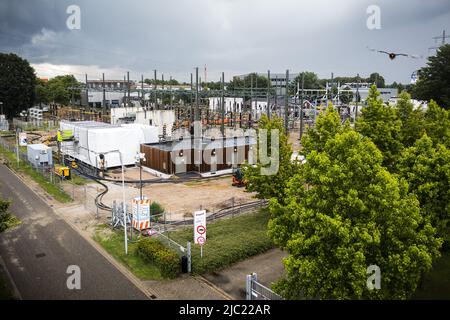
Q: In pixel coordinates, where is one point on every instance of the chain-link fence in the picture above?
(45, 171)
(34, 125)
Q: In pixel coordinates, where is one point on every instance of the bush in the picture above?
(165, 259)
(155, 210)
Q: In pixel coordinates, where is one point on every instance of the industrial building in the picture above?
(90, 139)
(200, 155)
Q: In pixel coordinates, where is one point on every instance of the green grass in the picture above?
(79, 181)
(113, 243)
(228, 241)
(436, 284)
(25, 168)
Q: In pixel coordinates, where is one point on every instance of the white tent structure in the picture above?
(94, 138)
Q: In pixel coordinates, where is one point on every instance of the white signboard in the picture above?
(23, 139)
(141, 213)
(200, 227)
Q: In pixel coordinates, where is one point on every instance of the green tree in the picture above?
(273, 185)
(311, 80)
(326, 127)
(379, 122)
(17, 83)
(376, 79)
(427, 170)
(61, 90)
(437, 123)
(252, 79)
(412, 120)
(42, 95)
(344, 213)
(434, 79)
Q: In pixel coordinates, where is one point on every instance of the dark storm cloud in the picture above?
(234, 36)
(21, 19)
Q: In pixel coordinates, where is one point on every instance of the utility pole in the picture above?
(268, 94)
(196, 111)
(87, 92)
(222, 124)
(128, 85)
(357, 98)
(142, 90)
(104, 94)
(301, 106)
(286, 103)
(124, 92)
(154, 88)
(191, 112)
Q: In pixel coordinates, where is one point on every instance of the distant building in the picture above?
(277, 80)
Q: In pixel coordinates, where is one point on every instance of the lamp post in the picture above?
(139, 158)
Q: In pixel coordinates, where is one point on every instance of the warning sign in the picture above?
(200, 227)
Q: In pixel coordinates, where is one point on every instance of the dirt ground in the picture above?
(131, 173)
(181, 199)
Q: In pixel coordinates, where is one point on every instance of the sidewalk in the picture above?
(268, 266)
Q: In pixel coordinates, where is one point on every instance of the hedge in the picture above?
(165, 259)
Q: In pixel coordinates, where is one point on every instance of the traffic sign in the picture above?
(201, 240)
(200, 227)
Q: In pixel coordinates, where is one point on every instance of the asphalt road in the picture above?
(39, 251)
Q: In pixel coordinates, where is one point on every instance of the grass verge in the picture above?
(113, 243)
(22, 167)
(228, 241)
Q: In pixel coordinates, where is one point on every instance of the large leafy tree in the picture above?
(61, 89)
(437, 123)
(17, 83)
(344, 213)
(412, 120)
(377, 79)
(434, 79)
(426, 168)
(252, 79)
(311, 80)
(42, 92)
(326, 126)
(271, 185)
(379, 122)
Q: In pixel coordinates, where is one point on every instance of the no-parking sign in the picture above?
(200, 227)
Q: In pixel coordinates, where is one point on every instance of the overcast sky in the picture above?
(233, 36)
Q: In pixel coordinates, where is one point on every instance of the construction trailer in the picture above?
(39, 155)
(92, 139)
(202, 155)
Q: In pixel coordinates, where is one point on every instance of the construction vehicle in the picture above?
(238, 178)
(62, 171)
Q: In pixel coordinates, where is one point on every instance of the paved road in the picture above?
(38, 252)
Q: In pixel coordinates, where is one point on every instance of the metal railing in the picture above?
(257, 291)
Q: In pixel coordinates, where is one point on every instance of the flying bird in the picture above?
(393, 55)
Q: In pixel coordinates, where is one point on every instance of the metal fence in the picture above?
(46, 172)
(257, 291)
(44, 125)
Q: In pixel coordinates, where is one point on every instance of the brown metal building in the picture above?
(199, 155)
